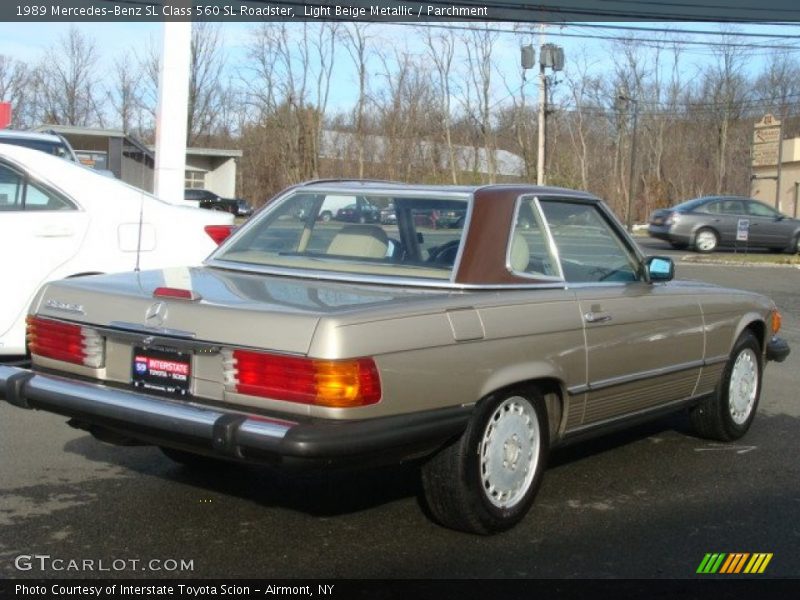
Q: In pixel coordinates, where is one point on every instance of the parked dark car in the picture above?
(706, 223)
(243, 208)
(359, 212)
(210, 200)
(46, 141)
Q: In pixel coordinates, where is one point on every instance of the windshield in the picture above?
(365, 234)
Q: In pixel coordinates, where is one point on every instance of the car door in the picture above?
(644, 342)
(731, 211)
(768, 227)
(40, 231)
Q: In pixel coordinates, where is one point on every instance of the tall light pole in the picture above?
(542, 123)
(631, 176)
(551, 56)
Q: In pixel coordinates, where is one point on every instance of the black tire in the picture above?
(714, 417)
(795, 247)
(193, 461)
(456, 481)
(706, 240)
(325, 217)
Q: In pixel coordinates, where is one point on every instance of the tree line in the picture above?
(437, 109)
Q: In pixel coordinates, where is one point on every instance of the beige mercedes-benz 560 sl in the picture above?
(473, 333)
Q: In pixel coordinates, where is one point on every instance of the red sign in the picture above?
(5, 114)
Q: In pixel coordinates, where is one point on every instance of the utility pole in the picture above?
(542, 110)
(551, 56)
(542, 123)
(632, 172)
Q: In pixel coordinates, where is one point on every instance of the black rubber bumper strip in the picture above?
(226, 432)
(778, 349)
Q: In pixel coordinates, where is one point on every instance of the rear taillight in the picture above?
(331, 383)
(65, 341)
(219, 233)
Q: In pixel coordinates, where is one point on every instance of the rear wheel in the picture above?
(486, 481)
(728, 414)
(706, 240)
(325, 216)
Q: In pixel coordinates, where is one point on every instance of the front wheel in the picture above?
(728, 414)
(486, 481)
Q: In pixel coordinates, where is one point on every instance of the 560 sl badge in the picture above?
(64, 306)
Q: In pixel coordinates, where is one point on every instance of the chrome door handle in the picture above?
(596, 317)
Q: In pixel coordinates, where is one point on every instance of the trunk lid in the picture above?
(233, 308)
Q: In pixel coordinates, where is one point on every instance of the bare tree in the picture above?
(440, 51)
(357, 44)
(779, 85)
(479, 44)
(723, 91)
(67, 84)
(126, 96)
(15, 88)
(206, 91)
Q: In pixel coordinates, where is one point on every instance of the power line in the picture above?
(684, 31)
(603, 37)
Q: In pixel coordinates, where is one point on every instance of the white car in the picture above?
(59, 220)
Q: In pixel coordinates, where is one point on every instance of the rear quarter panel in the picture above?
(460, 353)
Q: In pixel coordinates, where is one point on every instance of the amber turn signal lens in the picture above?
(775, 321)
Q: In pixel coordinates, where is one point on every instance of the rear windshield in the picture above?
(691, 205)
(365, 234)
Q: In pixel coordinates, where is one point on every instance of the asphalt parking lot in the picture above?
(649, 502)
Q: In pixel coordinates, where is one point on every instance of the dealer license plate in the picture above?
(162, 370)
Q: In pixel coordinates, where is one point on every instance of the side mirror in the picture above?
(660, 268)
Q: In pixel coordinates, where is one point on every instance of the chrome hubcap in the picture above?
(509, 452)
(706, 240)
(743, 386)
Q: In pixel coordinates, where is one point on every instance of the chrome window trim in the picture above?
(464, 234)
(385, 192)
(616, 230)
(548, 242)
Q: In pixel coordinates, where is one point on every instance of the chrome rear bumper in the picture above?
(227, 432)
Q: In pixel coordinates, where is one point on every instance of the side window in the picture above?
(528, 249)
(12, 189)
(762, 210)
(37, 198)
(17, 194)
(589, 248)
(712, 208)
(731, 207)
